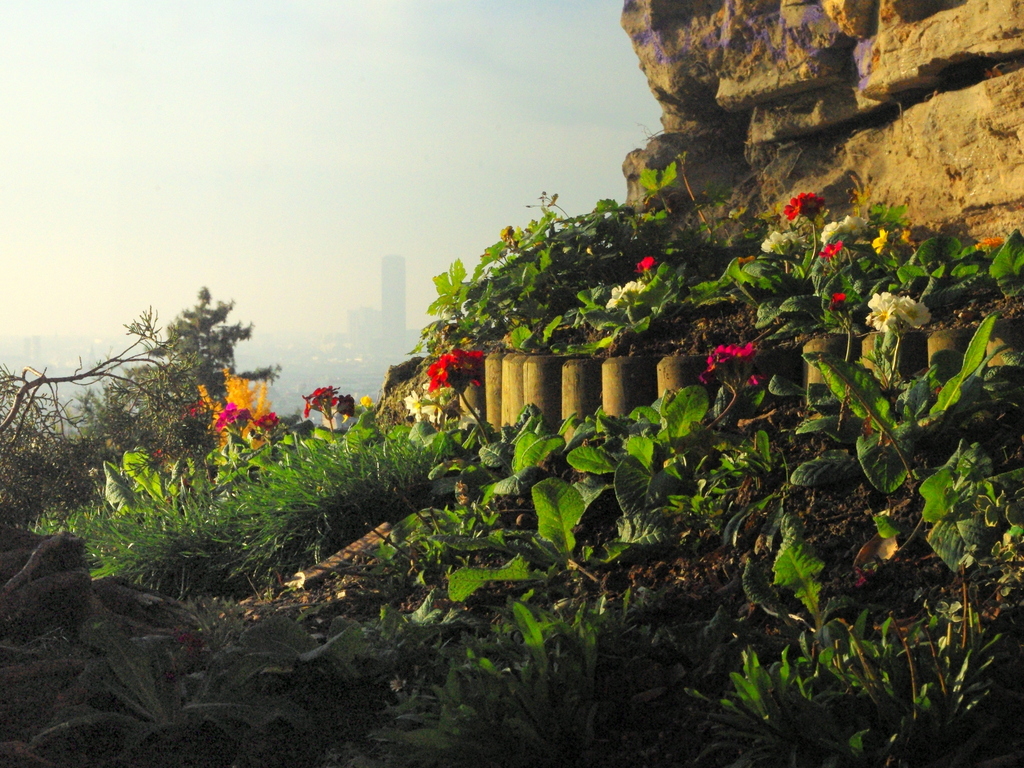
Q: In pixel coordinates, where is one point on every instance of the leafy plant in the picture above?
(1008, 265)
(884, 428)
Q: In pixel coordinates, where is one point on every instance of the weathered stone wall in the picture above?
(920, 100)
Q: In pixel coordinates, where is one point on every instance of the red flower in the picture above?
(457, 370)
(646, 264)
(831, 249)
(346, 406)
(267, 422)
(232, 414)
(323, 399)
(805, 204)
(838, 300)
(198, 409)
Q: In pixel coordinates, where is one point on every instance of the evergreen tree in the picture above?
(202, 333)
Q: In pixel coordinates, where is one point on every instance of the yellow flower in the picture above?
(881, 241)
(366, 401)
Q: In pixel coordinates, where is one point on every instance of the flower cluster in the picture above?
(422, 408)
(457, 369)
(329, 403)
(267, 422)
(851, 226)
(893, 313)
(624, 295)
(232, 415)
(806, 204)
(732, 364)
(781, 242)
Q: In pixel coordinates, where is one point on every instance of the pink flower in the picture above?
(732, 355)
(232, 414)
(831, 249)
(805, 204)
(457, 369)
(645, 264)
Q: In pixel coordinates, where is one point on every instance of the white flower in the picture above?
(781, 242)
(913, 313)
(888, 312)
(423, 409)
(883, 316)
(855, 225)
(625, 294)
(851, 226)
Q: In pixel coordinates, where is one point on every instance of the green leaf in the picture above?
(939, 495)
(796, 568)
(645, 413)
(136, 685)
(948, 543)
(830, 467)
(855, 385)
(278, 636)
(137, 466)
(118, 492)
(559, 509)
(590, 488)
(532, 449)
(519, 483)
(881, 463)
(645, 530)
(688, 407)
(974, 358)
(465, 581)
(589, 458)
(885, 526)
(550, 328)
(641, 448)
(497, 455)
(519, 337)
(631, 482)
(783, 387)
(757, 588)
(1008, 265)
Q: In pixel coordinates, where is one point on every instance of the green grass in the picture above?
(320, 497)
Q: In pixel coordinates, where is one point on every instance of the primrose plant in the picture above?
(631, 306)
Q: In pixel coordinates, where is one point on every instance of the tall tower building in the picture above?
(392, 305)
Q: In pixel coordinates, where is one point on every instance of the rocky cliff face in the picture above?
(920, 100)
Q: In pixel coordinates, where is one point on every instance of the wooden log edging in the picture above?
(563, 386)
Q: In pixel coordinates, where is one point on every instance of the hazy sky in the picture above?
(276, 150)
